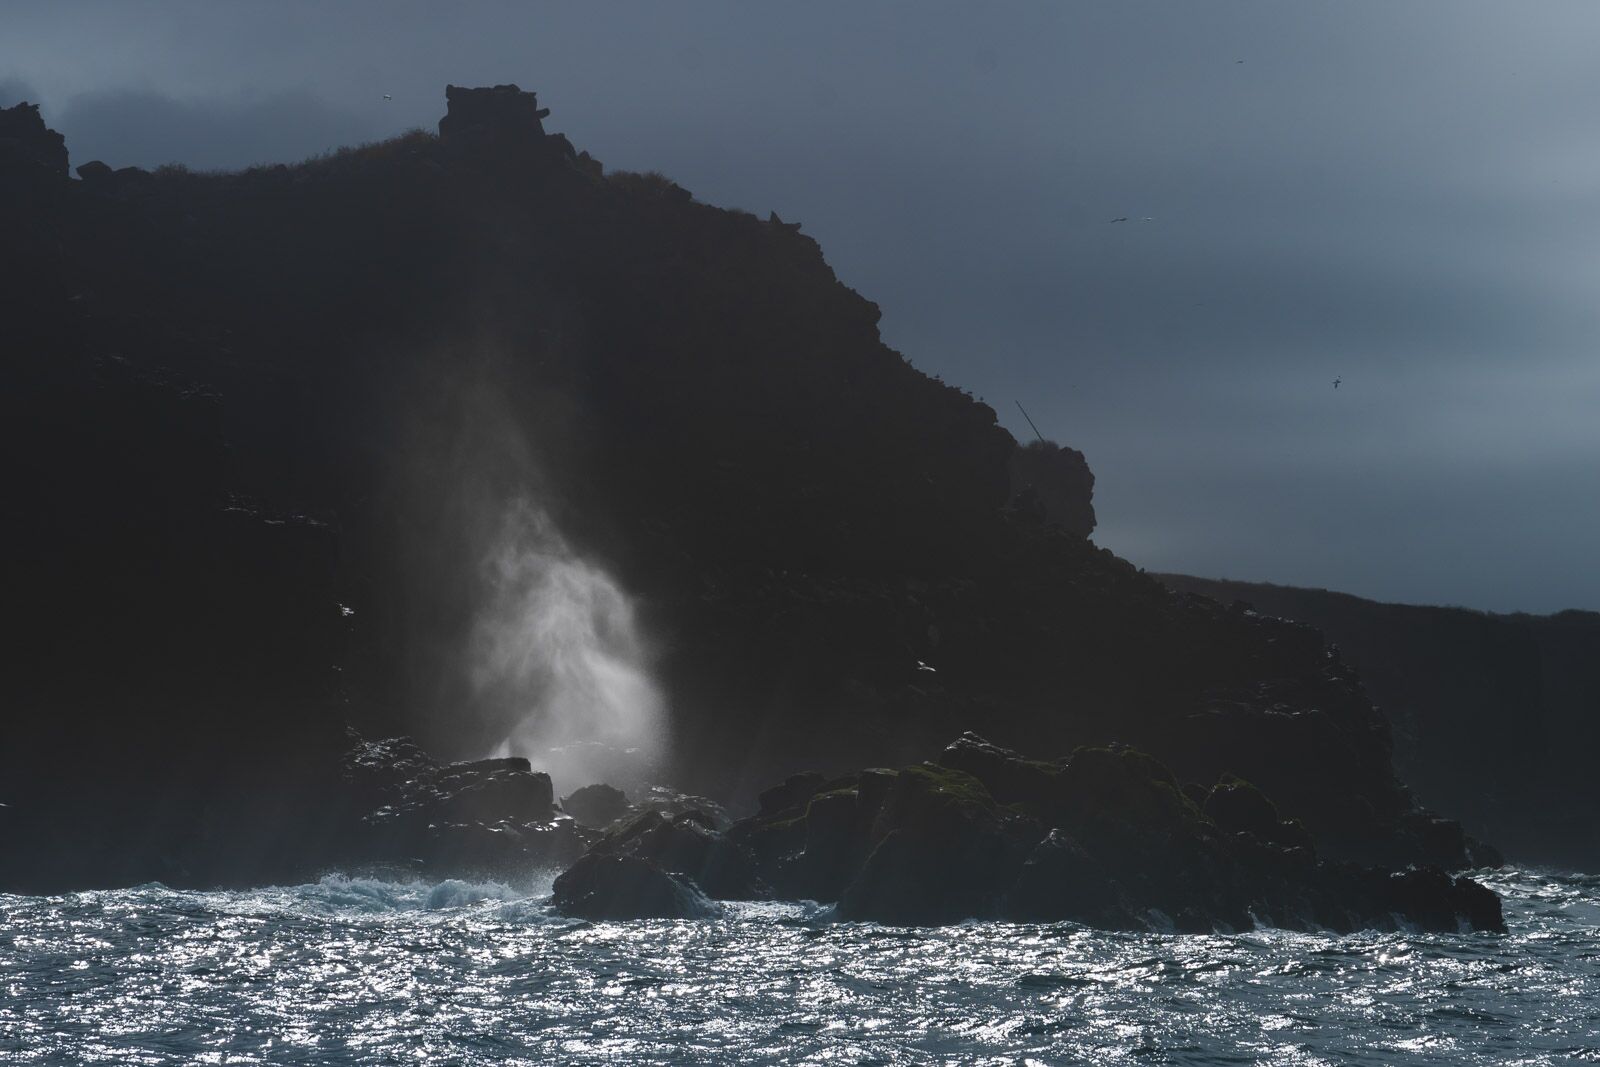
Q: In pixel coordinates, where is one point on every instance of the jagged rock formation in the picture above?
(379, 341)
(403, 808)
(498, 123)
(29, 148)
(1105, 837)
(1054, 483)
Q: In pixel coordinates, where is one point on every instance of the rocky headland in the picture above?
(246, 414)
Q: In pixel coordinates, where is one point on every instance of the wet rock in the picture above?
(1007, 775)
(792, 792)
(491, 816)
(1105, 837)
(605, 886)
(942, 852)
(1060, 881)
(689, 845)
(1437, 901)
(1237, 807)
(522, 796)
(597, 805)
(669, 801)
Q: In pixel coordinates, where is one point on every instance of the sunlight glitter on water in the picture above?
(348, 971)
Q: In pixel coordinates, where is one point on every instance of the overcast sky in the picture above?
(1404, 196)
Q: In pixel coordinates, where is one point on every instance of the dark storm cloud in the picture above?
(1399, 195)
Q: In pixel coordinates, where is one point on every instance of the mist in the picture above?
(518, 640)
(556, 650)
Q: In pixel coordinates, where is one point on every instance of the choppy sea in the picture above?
(351, 971)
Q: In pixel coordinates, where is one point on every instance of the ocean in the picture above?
(355, 971)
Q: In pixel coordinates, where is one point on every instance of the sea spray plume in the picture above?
(556, 649)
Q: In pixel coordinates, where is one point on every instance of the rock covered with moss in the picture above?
(1106, 836)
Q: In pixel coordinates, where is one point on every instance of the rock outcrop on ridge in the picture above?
(1053, 483)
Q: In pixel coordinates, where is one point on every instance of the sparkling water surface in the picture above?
(351, 971)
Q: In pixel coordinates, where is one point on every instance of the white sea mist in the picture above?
(556, 650)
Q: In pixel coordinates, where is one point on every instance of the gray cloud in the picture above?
(15, 91)
(141, 128)
(1401, 195)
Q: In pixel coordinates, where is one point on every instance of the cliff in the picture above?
(1494, 715)
(255, 417)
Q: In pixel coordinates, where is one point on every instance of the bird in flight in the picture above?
(386, 96)
(1336, 382)
(1123, 218)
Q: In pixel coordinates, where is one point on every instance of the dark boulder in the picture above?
(492, 795)
(1009, 778)
(597, 805)
(671, 802)
(792, 792)
(689, 845)
(1237, 807)
(492, 817)
(943, 852)
(605, 886)
(1436, 902)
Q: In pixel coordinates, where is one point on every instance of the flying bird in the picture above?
(1124, 218)
(386, 96)
(1336, 382)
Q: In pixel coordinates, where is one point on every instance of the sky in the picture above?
(1405, 197)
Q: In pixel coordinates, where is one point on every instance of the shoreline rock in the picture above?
(1105, 837)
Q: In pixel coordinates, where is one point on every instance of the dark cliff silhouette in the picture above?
(1495, 716)
(247, 416)
(1055, 483)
